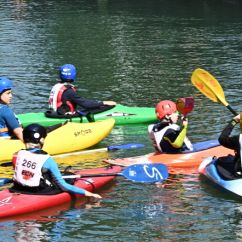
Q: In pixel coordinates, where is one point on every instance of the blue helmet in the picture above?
(67, 72)
(5, 84)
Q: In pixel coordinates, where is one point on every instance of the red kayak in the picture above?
(186, 162)
(13, 204)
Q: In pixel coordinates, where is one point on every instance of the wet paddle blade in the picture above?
(185, 105)
(149, 173)
(208, 85)
(146, 173)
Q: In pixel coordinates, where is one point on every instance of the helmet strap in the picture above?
(167, 119)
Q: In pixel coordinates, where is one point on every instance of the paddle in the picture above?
(185, 105)
(146, 173)
(109, 148)
(210, 87)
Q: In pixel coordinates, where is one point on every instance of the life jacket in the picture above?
(28, 167)
(157, 135)
(55, 99)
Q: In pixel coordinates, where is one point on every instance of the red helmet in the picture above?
(164, 108)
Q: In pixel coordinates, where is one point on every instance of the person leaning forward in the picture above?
(41, 175)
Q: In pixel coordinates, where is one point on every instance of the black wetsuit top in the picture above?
(80, 103)
(231, 142)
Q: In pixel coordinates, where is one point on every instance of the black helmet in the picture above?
(33, 133)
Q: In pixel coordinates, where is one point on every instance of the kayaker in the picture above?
(64, 99)
(9, 124)
(231, 163)
(166, 135)
(36, 171)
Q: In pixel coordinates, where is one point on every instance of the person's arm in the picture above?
(175, 140)
(84, 102)
(18, 132)
(51, 165)
(109, 103)
(13, 124)
(225, 139)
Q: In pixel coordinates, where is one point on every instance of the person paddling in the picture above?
(9, 124)
(37, 172)
(64, 99)
(166, 135)
(230, 163)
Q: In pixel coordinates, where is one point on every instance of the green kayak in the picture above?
(122, 115)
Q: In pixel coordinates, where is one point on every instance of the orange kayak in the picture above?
(186, 162)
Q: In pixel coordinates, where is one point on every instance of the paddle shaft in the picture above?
(109, 148)
(231, 110)
(80, 152)
(91, 175)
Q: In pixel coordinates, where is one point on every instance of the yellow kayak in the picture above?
(68, 138)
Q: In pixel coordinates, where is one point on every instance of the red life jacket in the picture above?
(55, 99)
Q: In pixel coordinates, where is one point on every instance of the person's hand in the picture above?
(184, 121)
(237, 118)
(96, 195)
(109, 103)
(90, 194)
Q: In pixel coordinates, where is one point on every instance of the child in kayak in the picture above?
(231, 163)
(64, 99)
(166, 135)
(37, 172)
(9, 124)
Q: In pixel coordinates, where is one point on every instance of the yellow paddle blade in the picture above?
(208, 85)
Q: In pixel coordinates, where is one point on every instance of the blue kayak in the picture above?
(220, 171)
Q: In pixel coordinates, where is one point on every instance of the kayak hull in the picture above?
(122, 115)
(208, 169)
(13, 204)
(177, 163)
(68, 138)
